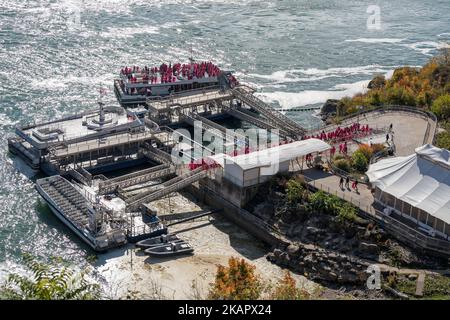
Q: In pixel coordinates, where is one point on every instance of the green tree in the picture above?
(294, 190)
(347, 213)
(49, 282)
(359, 161)
(441, 107)
(324, 203)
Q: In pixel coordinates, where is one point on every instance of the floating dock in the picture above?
(77, 151)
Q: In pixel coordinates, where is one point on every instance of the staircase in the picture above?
(254, 119)
(170, 186)
(134, 178)
(274, 117)
(156, 154)
(212, 127)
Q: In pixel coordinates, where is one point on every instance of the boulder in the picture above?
(368, 247)
(329, 108)
(277, 252)
(292, 249)
(412, 276)
(313, 231)
(377, 83)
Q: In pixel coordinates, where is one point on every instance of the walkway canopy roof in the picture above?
(271, 156)
(421, 179)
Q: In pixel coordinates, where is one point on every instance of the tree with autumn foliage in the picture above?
(409, 86)
(287, 289)
(238, 281)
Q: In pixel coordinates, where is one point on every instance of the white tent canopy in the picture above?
(421, 180)
(256, 167)
(272, 156)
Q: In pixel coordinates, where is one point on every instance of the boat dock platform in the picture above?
(77, 151)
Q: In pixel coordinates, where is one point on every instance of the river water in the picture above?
(54, 55)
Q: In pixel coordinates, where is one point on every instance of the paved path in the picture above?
(420, 284)
(330, 183)
(410, 132)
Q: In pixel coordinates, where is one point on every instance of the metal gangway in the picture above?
(135, 178)
(277, 119)
(214, 128)
(156, 154)
(170, 186)
(244, 115)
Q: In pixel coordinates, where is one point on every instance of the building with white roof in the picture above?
(250, 169)
(417, 187)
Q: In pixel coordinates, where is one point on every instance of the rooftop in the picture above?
(421, 179)
(273, 156)
(77, 126)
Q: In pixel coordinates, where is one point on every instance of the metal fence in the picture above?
(395, 227)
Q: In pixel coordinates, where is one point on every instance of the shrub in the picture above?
(366, 150)
(238, 281)
(325, 203)
(400, 96)
(441, 107)
(287, 290)
(343, 164)
(377, 147)
(347, 213)
(443, 140)
(378, 82)
(359, 161)
(294, 190)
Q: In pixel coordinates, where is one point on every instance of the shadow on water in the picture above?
(21, 166)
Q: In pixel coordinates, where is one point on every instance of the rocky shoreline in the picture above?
(333, 253)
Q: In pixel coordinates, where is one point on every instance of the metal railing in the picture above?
(181, 94)
(100, 142)
(188, 100)
(138, 177)
(270, 113)
(133, 231)
(191, 177)
(375, 112)
(395, 227)
(215, 128)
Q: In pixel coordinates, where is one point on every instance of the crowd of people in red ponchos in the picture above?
(353, 131)
(170, 73)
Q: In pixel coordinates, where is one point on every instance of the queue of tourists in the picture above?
(170, 73)
(351, 132)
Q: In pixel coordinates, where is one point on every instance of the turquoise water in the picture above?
(54, 55)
